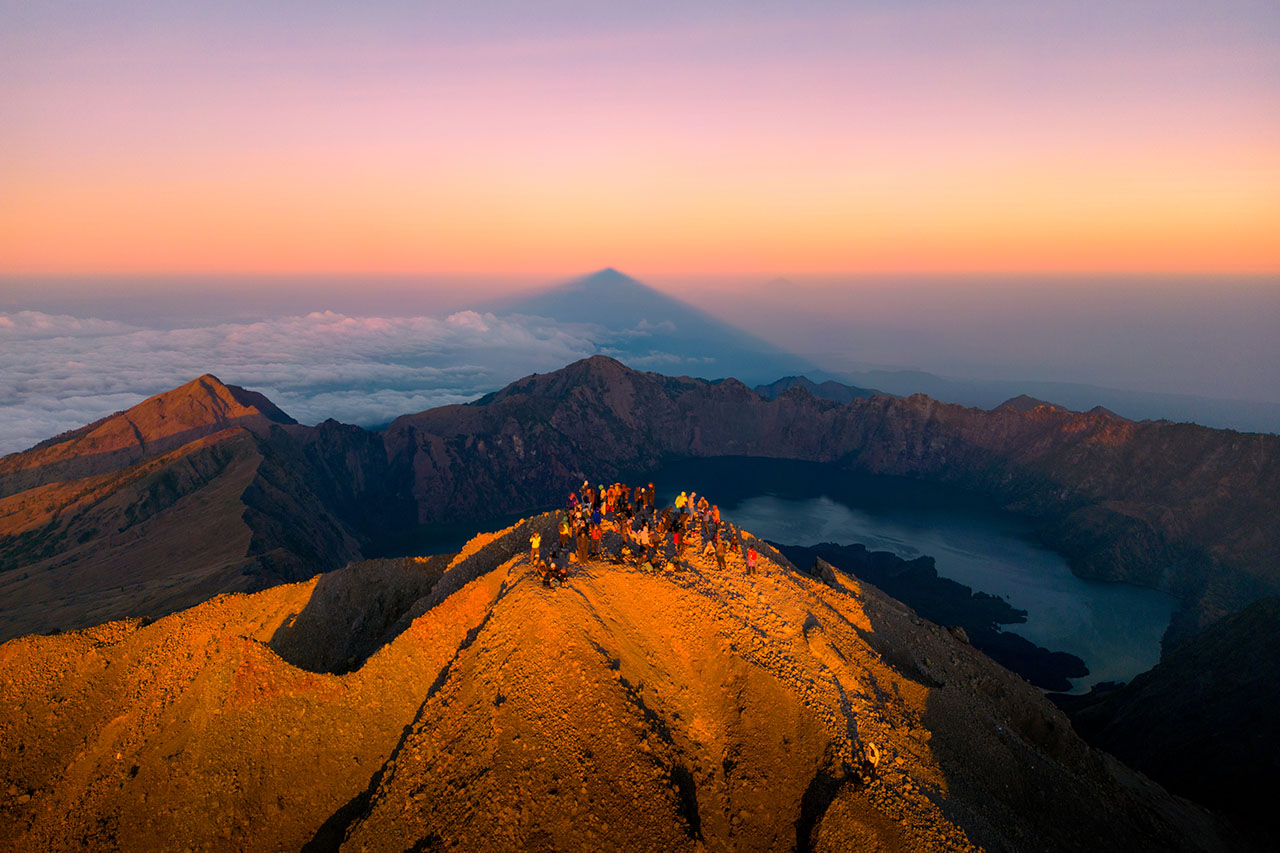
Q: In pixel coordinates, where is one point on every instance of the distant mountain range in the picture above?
(1244, 415)
(210, 488)
(650, 330)
(829, 390)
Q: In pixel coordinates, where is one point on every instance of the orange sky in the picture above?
(858, 138)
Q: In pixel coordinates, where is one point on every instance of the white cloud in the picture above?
(59, 373)
(33, 325)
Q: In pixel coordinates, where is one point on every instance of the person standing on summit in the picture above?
(535, 548)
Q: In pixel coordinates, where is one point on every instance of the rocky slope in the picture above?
(193, 492)
(683, 709)
(161, 423)
(1203, 722)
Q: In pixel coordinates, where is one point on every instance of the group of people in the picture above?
(622, 524)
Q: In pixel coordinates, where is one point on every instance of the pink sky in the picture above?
(787, 139)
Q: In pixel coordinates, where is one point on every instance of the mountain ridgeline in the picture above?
(458, 703)
(125, 519)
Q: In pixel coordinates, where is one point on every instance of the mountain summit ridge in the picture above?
(158, 423)
(683, 709)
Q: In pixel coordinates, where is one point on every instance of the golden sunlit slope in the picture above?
(681, 709)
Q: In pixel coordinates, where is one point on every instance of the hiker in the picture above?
(558, 570)
(564, 532)
(535, 547)
(596, 535)
(752, 556)
(583, 539)
(721, 548)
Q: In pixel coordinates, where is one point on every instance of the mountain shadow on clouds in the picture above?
(650, 330)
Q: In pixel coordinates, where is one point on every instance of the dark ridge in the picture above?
(828, 390)
(821, 792)
(270, 410)
(1204, 721)
(1103, 410)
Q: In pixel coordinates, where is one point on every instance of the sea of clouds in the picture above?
(60, 372)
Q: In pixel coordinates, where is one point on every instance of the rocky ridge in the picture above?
(682, 709)
(190, 493)
(1170, 506)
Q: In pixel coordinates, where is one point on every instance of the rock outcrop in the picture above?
(684, 709)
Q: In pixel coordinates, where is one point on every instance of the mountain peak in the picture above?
(160, 423)
(1024, 403)
(204, 402)
(828, 390)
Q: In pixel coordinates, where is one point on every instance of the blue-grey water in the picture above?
(1115, 628)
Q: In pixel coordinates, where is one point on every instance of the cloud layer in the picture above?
(61, 372)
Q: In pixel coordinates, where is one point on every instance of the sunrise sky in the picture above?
(662, 138)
